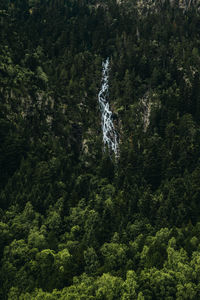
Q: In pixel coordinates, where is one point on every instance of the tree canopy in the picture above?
(76, 223)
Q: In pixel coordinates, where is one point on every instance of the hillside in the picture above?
(78, 220)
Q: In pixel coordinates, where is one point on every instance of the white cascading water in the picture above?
(109, 133)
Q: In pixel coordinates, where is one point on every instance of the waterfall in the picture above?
(109, 133)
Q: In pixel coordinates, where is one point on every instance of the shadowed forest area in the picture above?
(76, 223)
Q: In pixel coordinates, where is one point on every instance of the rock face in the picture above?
(146, 107)
(151, 5)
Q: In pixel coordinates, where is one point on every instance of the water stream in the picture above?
(110, 138)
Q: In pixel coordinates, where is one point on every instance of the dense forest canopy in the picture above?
(76, 223)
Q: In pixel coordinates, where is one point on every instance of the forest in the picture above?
(76, 222)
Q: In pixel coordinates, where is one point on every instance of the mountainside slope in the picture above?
(76, 223)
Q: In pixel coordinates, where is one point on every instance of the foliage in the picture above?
(74, 222)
